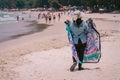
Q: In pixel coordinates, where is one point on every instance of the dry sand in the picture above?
(47, 56)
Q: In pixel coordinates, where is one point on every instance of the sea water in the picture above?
(7, 17)
(10, 27)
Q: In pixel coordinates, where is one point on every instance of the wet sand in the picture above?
(14, 30)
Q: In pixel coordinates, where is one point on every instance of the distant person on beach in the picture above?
(46, 18)
(39, 15)
(43, 15)
(22, 18)
(54, 17)
(50, 18)
(17, 18)
(79, 29)
(59, 15)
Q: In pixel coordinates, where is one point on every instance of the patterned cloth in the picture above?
(92, 52)
(74, 52)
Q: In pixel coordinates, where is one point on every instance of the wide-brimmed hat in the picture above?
(77, 14)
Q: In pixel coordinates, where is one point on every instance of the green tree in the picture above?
(29, 3)
(20, 4)
(41, 3)
(109, 4)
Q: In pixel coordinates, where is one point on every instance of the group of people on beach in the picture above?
(49, 16)
(18, 18)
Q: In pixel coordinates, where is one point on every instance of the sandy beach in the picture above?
(46, 55)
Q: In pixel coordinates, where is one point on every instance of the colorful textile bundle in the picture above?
(93, 49)
(92, 52)
(74, 52)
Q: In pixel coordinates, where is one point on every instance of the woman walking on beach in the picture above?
(17, 18)
(59, 16)
(46, 18)
(54, 17)
(79, 30)
(49, 16)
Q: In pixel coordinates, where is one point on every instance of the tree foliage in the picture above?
(113, 4)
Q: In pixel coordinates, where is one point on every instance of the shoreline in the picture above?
(29, 26)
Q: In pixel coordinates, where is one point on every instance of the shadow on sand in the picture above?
(97, 68)
(35, 28)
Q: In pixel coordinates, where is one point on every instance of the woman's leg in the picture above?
(81, 55)
(80, 51)
(74, 62)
